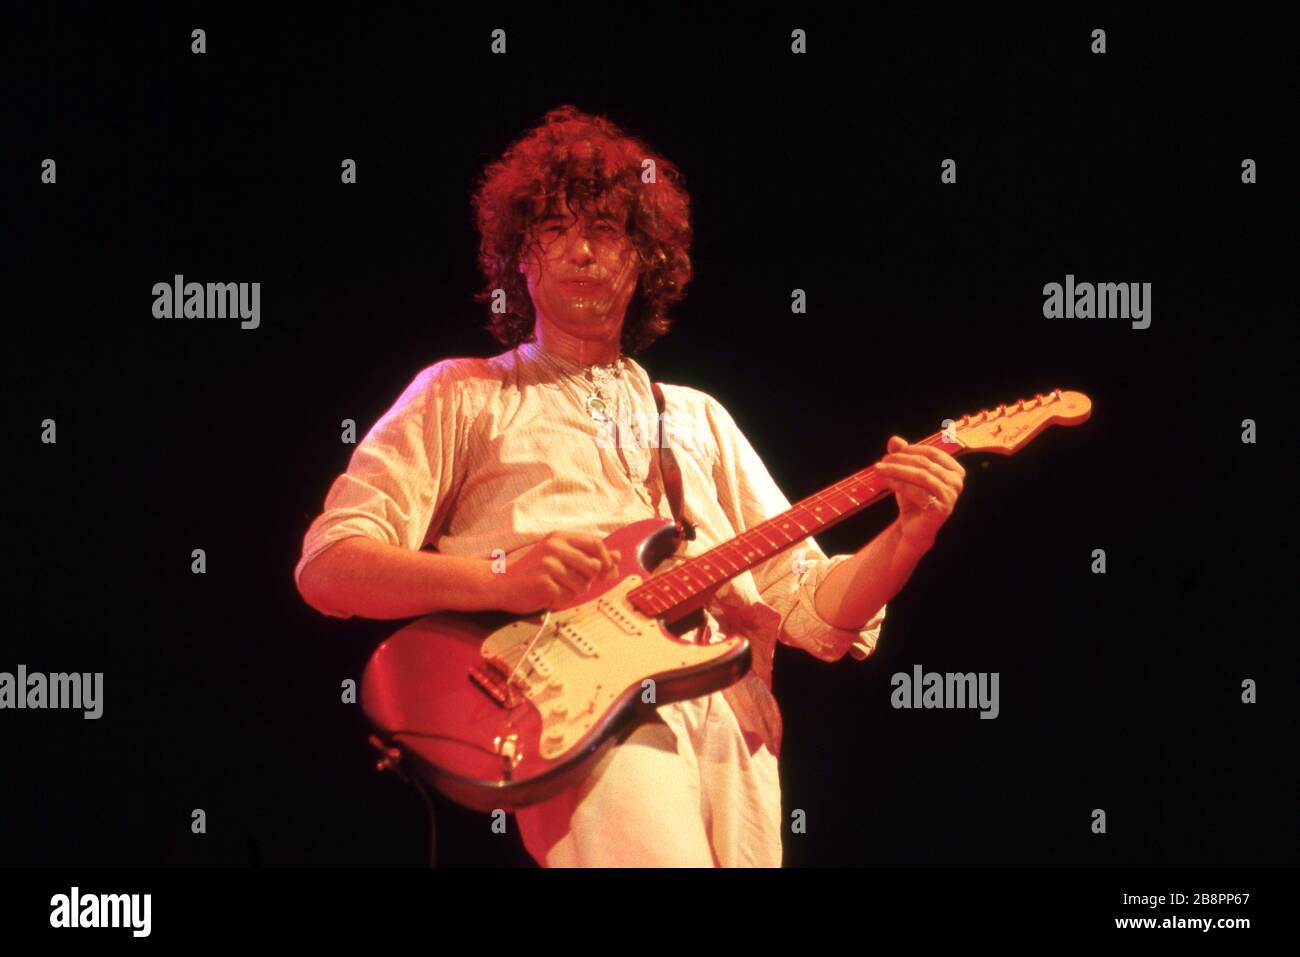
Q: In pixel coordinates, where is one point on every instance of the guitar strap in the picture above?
(747, 696)
(671, 473)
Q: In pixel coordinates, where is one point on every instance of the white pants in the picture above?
(682, 791)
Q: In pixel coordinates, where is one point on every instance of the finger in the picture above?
(557, 592)
(570, 583)
(919, 478)
(575, 560)
(895, 443)
(909, 496)
(608, 561)
(555, 568)
(918, 499)
(936, 455)
(949, 478)
(590, 545)
(554, 595)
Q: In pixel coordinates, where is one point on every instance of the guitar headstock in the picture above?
(1006, 428)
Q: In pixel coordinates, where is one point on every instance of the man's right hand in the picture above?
(561, 566)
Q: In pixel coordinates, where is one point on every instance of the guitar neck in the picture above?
(679, 590)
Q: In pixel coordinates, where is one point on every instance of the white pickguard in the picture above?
(585, 658)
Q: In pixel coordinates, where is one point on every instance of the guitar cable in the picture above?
(445, 737)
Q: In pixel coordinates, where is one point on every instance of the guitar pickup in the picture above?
(569, 633)
(618, 617)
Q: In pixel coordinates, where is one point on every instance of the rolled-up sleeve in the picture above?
(399, 475)
(787, 583)
(818, 636)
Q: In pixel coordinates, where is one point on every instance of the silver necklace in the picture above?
(601, 378)
(602, 405)
(598, 382)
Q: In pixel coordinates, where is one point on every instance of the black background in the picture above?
(1118, 691)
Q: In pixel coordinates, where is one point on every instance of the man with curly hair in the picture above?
(585, 245)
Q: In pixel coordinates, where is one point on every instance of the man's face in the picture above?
(581, 246)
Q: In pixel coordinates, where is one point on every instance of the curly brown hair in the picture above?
(594, 163)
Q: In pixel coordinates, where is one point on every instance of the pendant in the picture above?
(596, 408)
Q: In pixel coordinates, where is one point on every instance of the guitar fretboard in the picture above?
(661, 594)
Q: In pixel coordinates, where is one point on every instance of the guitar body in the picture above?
(499, 712)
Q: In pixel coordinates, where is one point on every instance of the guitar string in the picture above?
(595, 614)
(857, 478)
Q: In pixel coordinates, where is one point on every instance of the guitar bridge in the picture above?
(493, 686)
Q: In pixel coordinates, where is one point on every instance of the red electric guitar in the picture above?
(501, 712)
